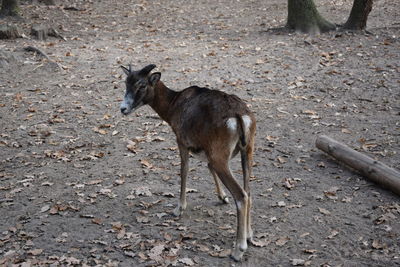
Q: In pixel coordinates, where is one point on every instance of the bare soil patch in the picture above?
(81, 184)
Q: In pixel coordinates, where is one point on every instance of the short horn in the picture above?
(146, 70)
(127, 71)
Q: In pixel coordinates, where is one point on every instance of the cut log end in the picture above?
(42, 32)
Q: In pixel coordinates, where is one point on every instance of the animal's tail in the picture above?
(242, 132)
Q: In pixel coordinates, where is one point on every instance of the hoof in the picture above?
(237, 255)
(178, 211)
(238, 251)
(224, 199)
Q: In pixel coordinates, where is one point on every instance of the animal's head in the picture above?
(139, 87)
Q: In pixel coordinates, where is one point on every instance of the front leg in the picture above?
(184, 153)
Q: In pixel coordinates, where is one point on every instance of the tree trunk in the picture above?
(358, 15)
(9, 8)
(303, 16)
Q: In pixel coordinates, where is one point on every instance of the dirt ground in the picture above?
(80, 184)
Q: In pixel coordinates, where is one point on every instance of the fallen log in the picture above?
(371, 169)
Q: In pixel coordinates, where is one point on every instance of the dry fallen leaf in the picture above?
(260, 243)
(297, 262)
(146, 163)
(18, 97)
(119, 181)
(225, 253)
(281, 160)
(324, 211)
(99, 130)
(97, 220)
(45, 208)
(272, 138)
(309, 112)
(346, 131)
(117, 225)
(347, 199)
(105, 191)
(35, 252)
(310, 251)
(282, 241)
(289, 183)
(142, 219)
(202, 248)
(72, 261)
(281, 204)
(220, 253)
(186, 261)
(385, 218)
(321, 164)
(131, 146)
(158, 139)
(94, 182)
(97, 154)
(168, 194)
(46, 183)
(142, 191)
(129, 254)
(331, 192)
(156, 252)
(191, 190)
(121, 233)
(54, 210)
(333, 234)
(304, 234)
(376, 244)
(142, 256)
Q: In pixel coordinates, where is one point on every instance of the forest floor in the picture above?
(80, 184)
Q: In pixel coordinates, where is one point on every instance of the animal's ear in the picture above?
(154, 78)
(126, 71)
(146, 70)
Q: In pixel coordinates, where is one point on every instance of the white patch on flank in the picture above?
(247, 122)
(231, 123)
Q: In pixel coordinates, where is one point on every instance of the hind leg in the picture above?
(247, 158)
(241, 201)
(221, 194)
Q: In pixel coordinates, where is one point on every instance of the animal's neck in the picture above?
(163, 101)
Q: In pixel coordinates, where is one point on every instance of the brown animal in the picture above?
(208, 123)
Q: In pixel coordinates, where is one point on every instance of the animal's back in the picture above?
(205, 112)
(212, 104)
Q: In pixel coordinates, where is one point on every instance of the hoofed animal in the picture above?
(208, 123)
